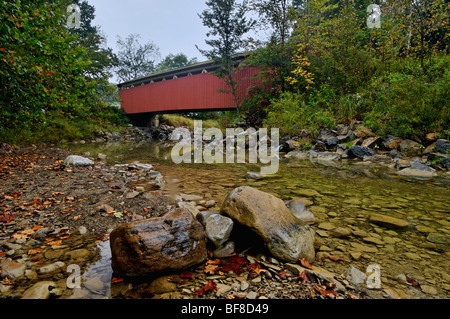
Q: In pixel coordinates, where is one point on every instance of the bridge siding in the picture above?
(195, 92)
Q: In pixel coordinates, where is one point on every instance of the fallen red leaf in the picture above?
(304, 276)
(210, 286)
(232, 267)
(238, 260)
(116, 280)
(186, 275)
(413, 282)
(7, 218)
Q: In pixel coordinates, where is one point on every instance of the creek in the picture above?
(340, 194)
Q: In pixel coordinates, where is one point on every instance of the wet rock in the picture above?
(360, 152)
(132, 195)
(94, 284)
(284, 235)
(392, 142)
(168, 243)
(218, 229)
(326, 226)
(191, 198)
(254, 176)
(341, 232)
(442, 146)
(429, 149)
(40, 290)
(388, 221)
(52, 267)
(401, 163)
(298, 155)
(381, 159)
(445, 163)
(225, 251)
(372, 142)
(363, 132)
(428, 290)
(163, 285)
(74, 160)
(438, 238)
(331, 141)
(190, 206)
(204, 215)
(418, 170)
(78, 253)
(12, 270)
(409, 145)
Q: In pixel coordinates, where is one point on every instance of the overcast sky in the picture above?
(173, 25)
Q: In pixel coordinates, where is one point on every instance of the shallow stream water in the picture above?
(340, 194)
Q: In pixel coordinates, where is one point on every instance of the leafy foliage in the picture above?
(45, 86)
(173, 61)
(334, 68)
(135, 59)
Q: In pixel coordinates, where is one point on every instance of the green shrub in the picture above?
(290, 113)
(408, 104)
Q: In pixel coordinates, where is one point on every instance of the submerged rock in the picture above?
(40, 290)
(418, 170)
(286, 237)
(12, 270)
(388, 221)
(299, 208)
(168, 243)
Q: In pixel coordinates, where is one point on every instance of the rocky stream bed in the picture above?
(56, 219)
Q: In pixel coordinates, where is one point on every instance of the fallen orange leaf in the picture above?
(116, 280)
(305, 263)
(34, 251)
(55, 243)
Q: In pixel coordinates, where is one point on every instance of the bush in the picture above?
(409, 105)
(290, 113)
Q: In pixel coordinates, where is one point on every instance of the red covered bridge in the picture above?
(189, 89)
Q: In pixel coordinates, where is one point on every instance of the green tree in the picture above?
(228, 24)
(91, 38)
(173, 61)
(135, 59)
(41, 71)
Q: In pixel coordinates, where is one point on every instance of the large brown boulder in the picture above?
(286, 237)
(161, 244)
